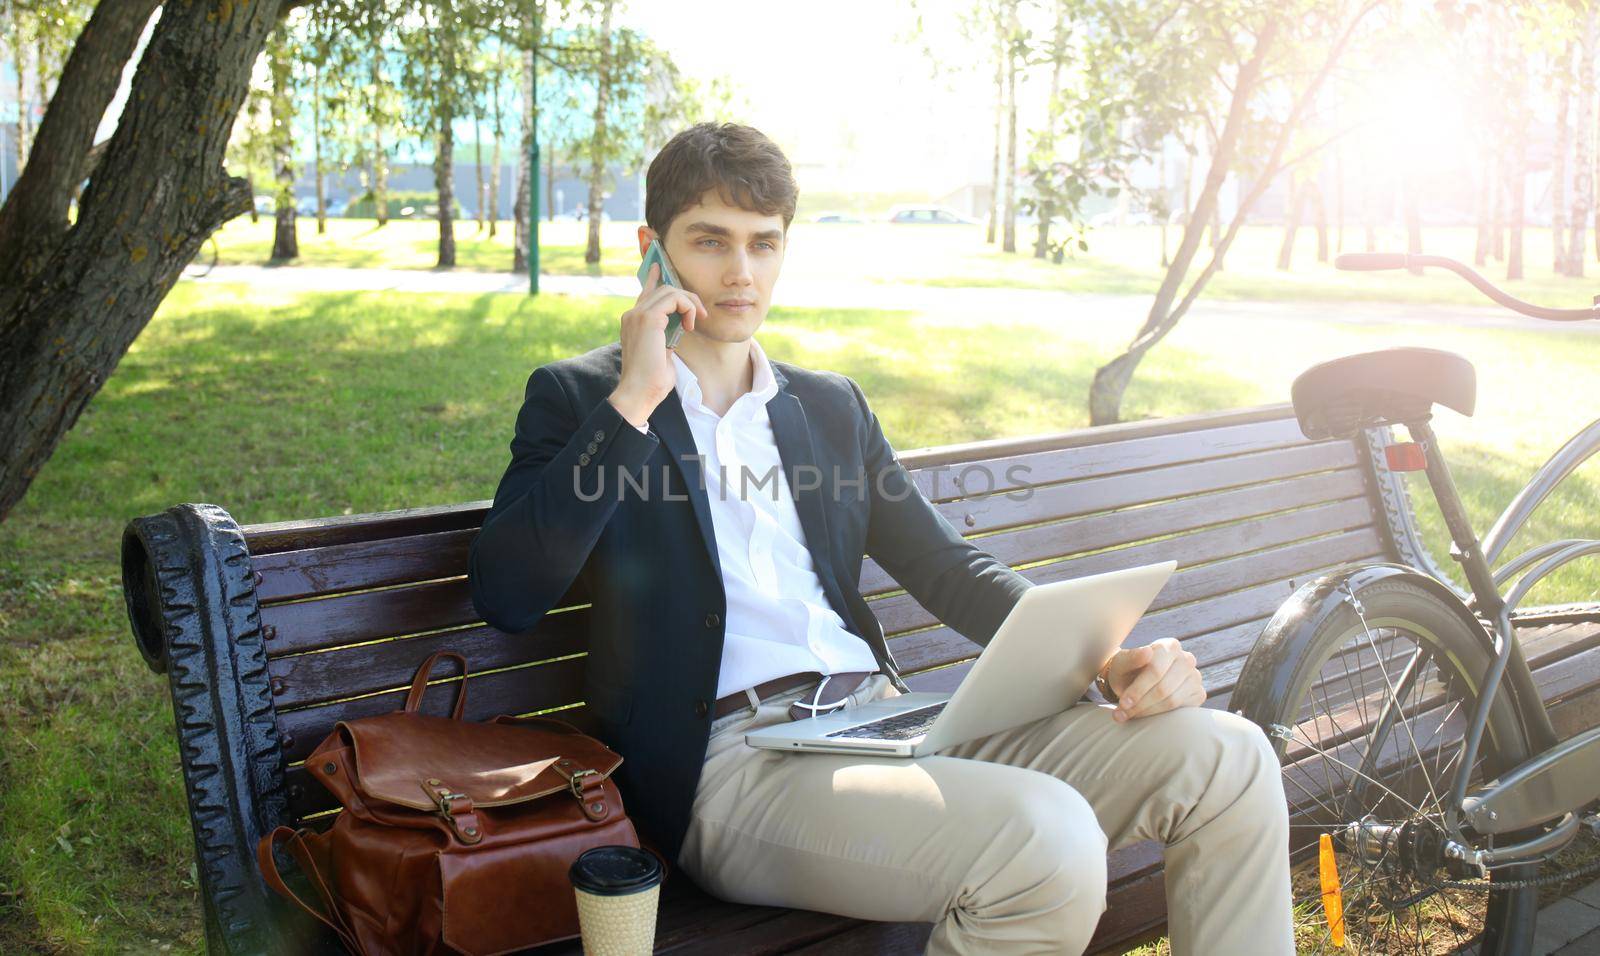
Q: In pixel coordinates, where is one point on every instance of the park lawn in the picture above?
(285, 405)
(1120, 260)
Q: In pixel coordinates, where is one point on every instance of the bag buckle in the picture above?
(594, 809)
(463, 823)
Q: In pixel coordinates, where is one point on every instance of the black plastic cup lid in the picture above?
(615, 871)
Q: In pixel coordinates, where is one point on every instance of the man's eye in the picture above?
(704, 241)
(767, 244)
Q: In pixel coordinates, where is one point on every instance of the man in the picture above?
(714, 506)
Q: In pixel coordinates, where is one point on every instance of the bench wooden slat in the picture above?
(1069, 499)
(360, 565)
(347, 566)
(321, 676)
(1099, 531)
(1131, 446)
(513, 691)
(372, 615)
(1184, 623)
(1283, 534)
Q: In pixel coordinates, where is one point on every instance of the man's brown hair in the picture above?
(746, 168)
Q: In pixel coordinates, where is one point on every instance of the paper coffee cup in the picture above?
(618, 890)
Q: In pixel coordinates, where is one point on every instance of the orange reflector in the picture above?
(1405, 456)
(1332, 898)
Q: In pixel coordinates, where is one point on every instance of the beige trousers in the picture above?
(1001, 841)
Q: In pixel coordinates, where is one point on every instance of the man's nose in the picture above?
(739, 269)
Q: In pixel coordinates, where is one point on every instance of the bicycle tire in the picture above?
(1347, 667)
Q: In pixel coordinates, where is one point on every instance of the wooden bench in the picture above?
(271, 632)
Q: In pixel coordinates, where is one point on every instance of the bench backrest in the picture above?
(1241, 500)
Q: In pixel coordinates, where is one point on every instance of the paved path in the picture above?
(978, 302)
(1571, 925)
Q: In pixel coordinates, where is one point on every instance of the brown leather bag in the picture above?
(456, 836)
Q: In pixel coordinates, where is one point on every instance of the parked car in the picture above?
(831, 216)
(939, 215)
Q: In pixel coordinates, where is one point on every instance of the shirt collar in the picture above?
(763, 383)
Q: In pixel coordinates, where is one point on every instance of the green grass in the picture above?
(1120, 261)
(293, 405)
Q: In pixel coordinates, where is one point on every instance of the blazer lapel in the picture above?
(793, 436)
(673, 428)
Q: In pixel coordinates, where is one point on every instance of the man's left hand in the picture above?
(1156, 677)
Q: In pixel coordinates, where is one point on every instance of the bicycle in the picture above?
(1412, 739)
(204, 260)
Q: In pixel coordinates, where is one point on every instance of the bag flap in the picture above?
(493, 764)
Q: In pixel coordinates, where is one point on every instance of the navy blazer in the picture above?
(590, 500)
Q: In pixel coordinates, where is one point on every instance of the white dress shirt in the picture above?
(779, 620)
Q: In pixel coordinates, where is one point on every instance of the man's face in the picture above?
(728, 256)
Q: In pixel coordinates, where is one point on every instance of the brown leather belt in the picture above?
(839, 686)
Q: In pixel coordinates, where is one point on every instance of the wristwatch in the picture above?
(1105, 686)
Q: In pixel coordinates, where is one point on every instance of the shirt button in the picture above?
(712, 619)
(700, 708)
(599, 434)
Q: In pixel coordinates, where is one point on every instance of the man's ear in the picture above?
(645, 235)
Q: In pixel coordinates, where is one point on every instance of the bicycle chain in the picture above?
(1593, 866)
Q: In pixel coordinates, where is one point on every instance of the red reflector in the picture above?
(1405, 456)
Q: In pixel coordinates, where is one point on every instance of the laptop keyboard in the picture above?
(912, 723)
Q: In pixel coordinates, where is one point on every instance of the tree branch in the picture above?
(35, 214)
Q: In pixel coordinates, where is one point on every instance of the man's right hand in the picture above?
(647, 374)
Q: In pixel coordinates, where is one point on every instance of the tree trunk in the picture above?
(444, 172)
(550, 184)
(316, 146)
(1338, 197)
(494, 159)
(19, 49)
(33, 217)
(999, 127)
(1320, 216)
(1497, 206)
(1413, 216)
(597, 155)
(380, 180)
(1009, 242)
(1558, 162)
(1480, 246)
(520, 228)
(74, 301)
(483, 187)
(1583, 161)
(1111, 380)
(380, 157)
(285, 238)
(1517, 186)
(1291, 224)
(1058, 53)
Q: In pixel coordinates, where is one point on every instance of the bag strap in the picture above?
(295, 843)
(419, 684)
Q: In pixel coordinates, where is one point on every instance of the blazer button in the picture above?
(593, 448)
(599, 434)
(700, 708)
(583, 459)
(712, 620)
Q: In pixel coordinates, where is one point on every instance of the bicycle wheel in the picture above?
(204, 261)
(1379, 787)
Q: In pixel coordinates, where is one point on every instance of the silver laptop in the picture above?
(1041, 660)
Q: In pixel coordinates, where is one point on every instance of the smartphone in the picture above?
(655, 255)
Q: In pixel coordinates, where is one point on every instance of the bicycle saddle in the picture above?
(1336, 399)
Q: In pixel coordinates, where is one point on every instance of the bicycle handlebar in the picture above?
(1374, 261)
